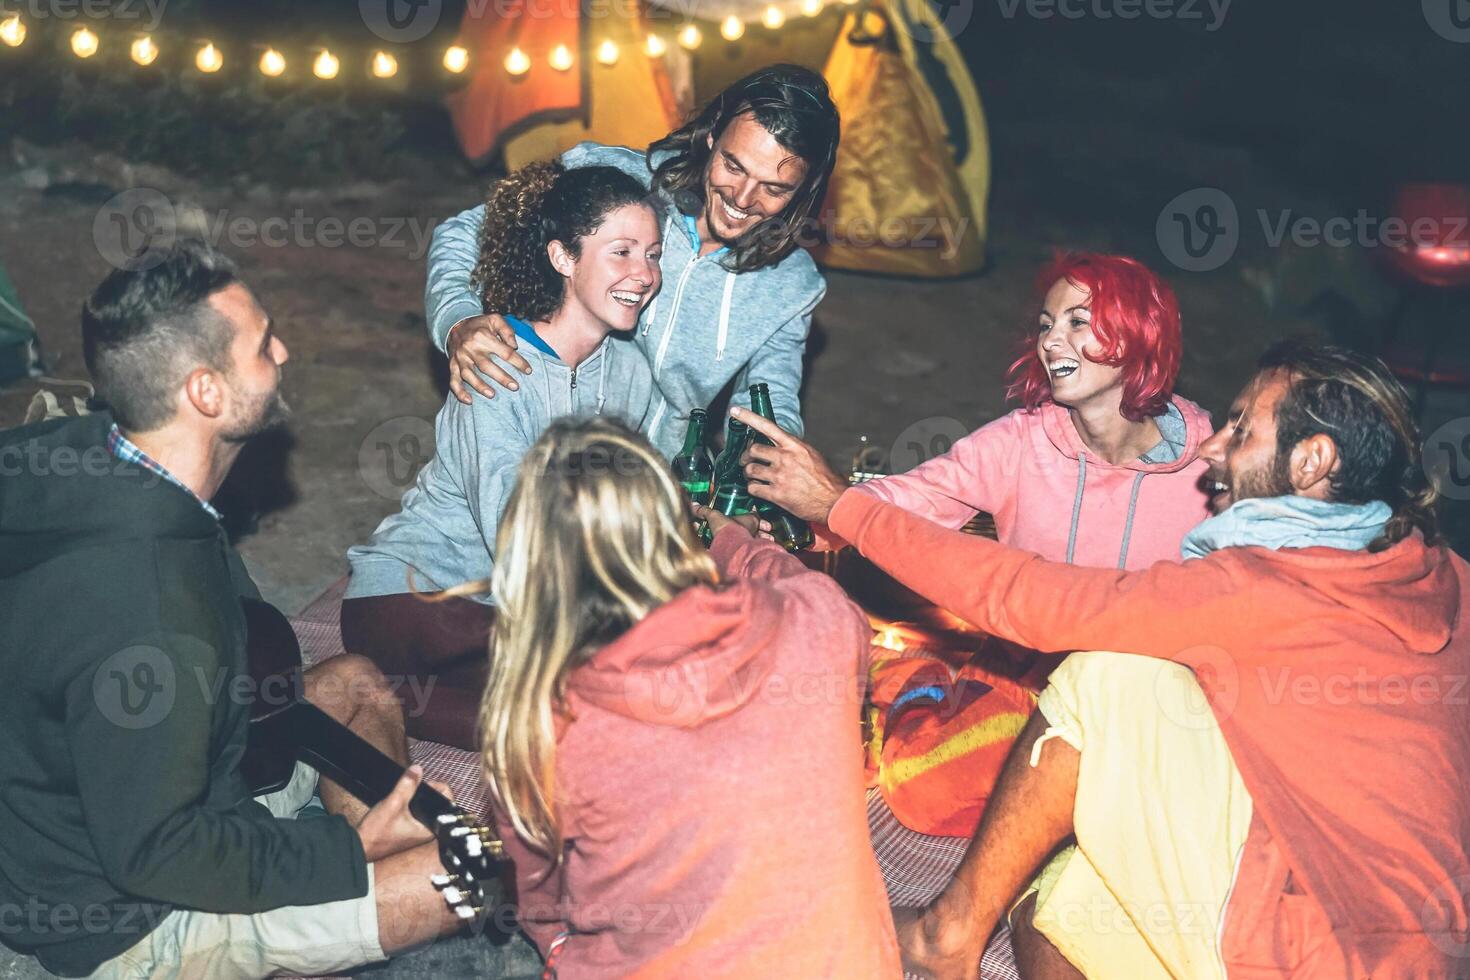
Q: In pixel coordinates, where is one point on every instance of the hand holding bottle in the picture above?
(789, 473)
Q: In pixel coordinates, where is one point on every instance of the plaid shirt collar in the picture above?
(124, 449)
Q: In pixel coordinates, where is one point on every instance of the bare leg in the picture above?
(411, 910)
(353, 691)
(1028, 815)
(1036, 957)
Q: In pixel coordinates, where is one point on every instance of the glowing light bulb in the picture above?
(607, 53)
(144, 51)
(456, 59)
(272, 63)
(773, 18)
(731, 28)
(209, 60)
(689, 37)
(13, 31)
(561, 57)
(810, 8)
(384, 65)
(655, 46)
(326, 65)
(84, 43)
(517, 63)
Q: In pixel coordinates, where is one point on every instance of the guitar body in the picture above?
(285, 728)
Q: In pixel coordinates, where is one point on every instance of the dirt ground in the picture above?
(899, 361)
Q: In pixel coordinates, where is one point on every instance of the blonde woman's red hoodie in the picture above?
(709, 784)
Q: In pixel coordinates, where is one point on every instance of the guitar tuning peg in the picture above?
(465, 912)
(444, 881)
(444, 819)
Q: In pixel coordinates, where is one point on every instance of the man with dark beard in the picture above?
(1305, 817)
(129, 844)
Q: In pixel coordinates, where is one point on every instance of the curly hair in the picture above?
(527, 211)
(1355, 400)
(795, 106)
(1135, 317)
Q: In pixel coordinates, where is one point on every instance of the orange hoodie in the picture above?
(1339, 681)
(710, 789)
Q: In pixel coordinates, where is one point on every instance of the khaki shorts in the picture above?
(1161, 817)
(307, 940)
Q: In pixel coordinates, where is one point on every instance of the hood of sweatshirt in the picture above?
(1410, 590)
(694, 659)
(62, 491)
(1184, 427)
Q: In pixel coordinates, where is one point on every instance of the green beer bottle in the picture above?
(790, 532)
(692, 467)
(730, 496)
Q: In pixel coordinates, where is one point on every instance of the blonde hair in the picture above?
(596, 536)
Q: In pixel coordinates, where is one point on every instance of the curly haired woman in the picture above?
(569, 258)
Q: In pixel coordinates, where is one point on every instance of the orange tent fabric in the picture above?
(539, 114)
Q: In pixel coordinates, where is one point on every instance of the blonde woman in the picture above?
(672, 734)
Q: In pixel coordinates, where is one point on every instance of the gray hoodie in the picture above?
(706, 325)
(445, 529)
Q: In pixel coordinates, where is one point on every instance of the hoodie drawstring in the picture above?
(724, 317)
(1128, 527)
(653, 307)
(602, 397)
(1077, 505)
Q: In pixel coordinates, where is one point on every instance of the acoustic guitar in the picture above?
(285, 727)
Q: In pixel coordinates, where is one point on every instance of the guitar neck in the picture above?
(356, 765)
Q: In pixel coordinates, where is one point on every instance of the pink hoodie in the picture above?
(1050, 496)
(710, 790)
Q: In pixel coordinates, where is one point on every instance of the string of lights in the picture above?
(208, 58)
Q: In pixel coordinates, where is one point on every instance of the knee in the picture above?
(352, 682)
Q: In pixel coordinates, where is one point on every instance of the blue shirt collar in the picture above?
(527, 332)
(126, 450)
(691, 226)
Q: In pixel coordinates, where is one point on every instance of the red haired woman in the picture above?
(1098, 467)
(1100, 464)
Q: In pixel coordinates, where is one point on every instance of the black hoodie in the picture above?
(123, 716)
